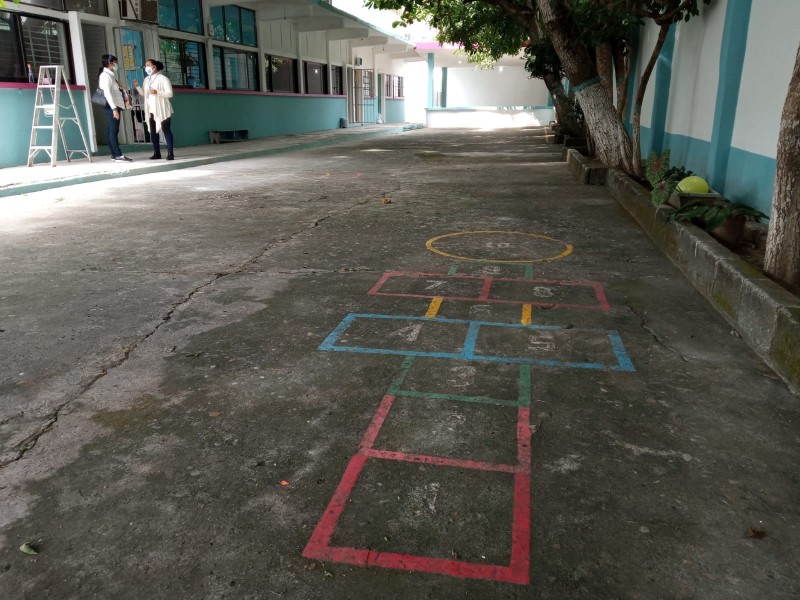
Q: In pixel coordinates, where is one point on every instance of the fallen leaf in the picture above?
(756, 534)
(28, 549)
(214, 413)
(284, 483)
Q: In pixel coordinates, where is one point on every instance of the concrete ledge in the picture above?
(587, 170)
(765, 314)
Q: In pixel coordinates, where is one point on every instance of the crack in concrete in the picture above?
(51, 419)
(649, 330)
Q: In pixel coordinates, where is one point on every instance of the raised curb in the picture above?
(588, 171)
(39, 186)
(766, 315)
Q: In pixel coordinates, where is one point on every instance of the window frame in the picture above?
(183, 54)
(270, 84)
(220, 30)
(66, 45)
(337, 80)
(256, 84)
(177, 14)
(323, 74)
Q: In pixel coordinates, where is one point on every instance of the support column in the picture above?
(430, 79)
(444, 87)
(731, 59)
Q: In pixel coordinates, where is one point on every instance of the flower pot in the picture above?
(678, 199)
(731, 232)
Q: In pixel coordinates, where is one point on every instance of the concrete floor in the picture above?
(211, 388)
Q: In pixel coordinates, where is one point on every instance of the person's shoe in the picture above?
(122, 159)
(155, 156)
(170, 157)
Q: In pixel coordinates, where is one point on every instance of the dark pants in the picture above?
(113, 132)
(166, 128)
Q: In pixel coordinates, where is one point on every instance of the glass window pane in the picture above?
(233, 30)
(12, 66)
(57, 4)
(167, 14)
(336, 81)
(171, 57)
(94, 7)
(218, 22)
(282, 74)
(195, 64)
(249, 27)
(315, 78)
(44, 43)
(190, 16)
(240, 70)
(219, 82)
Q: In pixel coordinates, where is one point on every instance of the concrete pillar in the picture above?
(444, 87)
(430, 79)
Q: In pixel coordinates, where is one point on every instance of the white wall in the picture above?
(500, 86)
(278, 37)
(772, 40)
(695, 73)
(647, 41)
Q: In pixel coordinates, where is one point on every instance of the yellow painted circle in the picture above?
(567, 248)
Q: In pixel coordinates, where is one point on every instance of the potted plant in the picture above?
(674, 185)
(724, 220)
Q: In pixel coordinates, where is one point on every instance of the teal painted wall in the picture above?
(260, 114)
(195, 114)
(16, 132)
(751, 179)
(395, 111)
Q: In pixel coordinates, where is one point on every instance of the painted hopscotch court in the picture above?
(454, 422)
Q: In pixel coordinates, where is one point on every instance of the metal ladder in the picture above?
(48, 109)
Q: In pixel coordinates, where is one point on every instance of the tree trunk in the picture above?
(605, 68)
(563, 106)
(622, 72)
(612, 141)
(782, 259)
(637, 106)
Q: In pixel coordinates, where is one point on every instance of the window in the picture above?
(27, 40)
(337, 81)
(398, 87)
(95, 7)
(234, 25)
(316, 77)
(184, 62)
(235, 69)
(183, 15)
(281, 74)
(388, 88)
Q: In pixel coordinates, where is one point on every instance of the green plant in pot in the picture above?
(722, 219)
(662, 177)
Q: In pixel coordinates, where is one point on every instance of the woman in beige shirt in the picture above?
(156, 91)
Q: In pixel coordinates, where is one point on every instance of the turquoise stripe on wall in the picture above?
(751, 179)
(395, 111)
(663, 81)
(195, 115)
(731, 59)
(261, 115)
(16, 132)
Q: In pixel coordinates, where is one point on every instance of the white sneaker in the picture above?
(122, 159)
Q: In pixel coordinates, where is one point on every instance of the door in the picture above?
(131, 62)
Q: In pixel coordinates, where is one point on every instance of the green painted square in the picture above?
(501, 384)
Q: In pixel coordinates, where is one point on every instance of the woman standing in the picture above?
(157, 92)
(115, 104)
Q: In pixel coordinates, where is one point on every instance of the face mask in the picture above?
(115, 66)
(148, 70)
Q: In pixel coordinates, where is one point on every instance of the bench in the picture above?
(227, 135)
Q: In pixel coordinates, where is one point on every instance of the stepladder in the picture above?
(52, 114)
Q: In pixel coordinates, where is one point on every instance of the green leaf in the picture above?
(28, 549)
